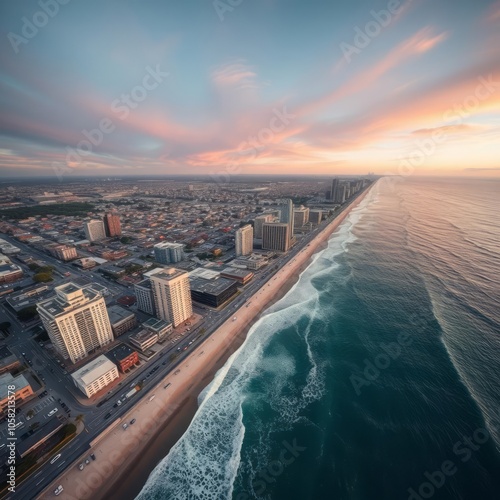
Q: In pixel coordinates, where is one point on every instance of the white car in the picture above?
(55, 459)
(55, 410)
(58, 490)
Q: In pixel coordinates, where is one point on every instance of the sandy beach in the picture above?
(125, 458)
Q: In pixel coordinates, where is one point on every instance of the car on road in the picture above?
(92, 456)
(58, 490)
(132, 421)
(55, 410)
(81, 466)
(55, 459)
(87, 461)
(124, 426)
(107, 415)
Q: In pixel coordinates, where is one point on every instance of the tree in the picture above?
(27, 313)
(42, 277)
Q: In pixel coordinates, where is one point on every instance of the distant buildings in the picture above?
(112, 225)
(94, 230)
(286, 210)
(172, 295)
(76, 321)
(276, 236)
(95, 375)
(144, 295)
(258, 223)
(169, 253)
(62, 252)
(244, 240)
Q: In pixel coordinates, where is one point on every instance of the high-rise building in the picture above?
(112, 225)
(144, 295)
(286, 210)
(76, 320)
(172, 295)
(169, 253)
(276, 236)
(94, 230)
(315, 216)
(258, 222)
(334, 189)
(300, 216)
(244, 240)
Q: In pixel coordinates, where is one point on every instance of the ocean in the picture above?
(376, 376)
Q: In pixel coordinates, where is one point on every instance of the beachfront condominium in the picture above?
(172, 295)
(276, 236)
(76, 320)
(258, 222)
(112, 225)
(300, 216)
(169, 253)
(94, 230)
(286, 209)
(244, 240)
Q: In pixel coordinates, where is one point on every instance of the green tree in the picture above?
(27, 313)
(42, 277)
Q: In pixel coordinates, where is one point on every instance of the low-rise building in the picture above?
(8, 361)
(9, 272)
(242, 276)
(144, 340)
(123, 356)
(39, 437)
(213, 292)
(22, 390)
(95, 376)
(253, 262)
(121, 320)
(158, 326)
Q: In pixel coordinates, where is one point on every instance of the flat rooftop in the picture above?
(156, 324)
(169, 274)
(6, 379)
(212, 287)
(121, 351)
(117, 314)
(234, 271)
(93, 370)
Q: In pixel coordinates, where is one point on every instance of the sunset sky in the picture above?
(250, 86)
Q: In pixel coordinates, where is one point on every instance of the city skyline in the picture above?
(267, 87)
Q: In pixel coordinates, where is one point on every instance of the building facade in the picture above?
(94, 230)
(300, 216)
(144, 295)
(76, 320)
(172, 295)
(244, 240)
(276, 236)
(169, 253)
(123, 357)
(144, 340)
(121, 320)
(95, 376)
(258, 223)
(286, 216)
(112, 225)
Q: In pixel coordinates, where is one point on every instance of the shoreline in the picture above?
(118, 472)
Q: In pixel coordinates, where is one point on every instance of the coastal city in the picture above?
(108, 286)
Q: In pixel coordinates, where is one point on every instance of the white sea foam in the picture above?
(204, 462)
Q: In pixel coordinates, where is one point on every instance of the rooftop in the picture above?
(120, 352)
(6, 379)
(156, 324)
(233, 271)
(213, 287)
(117, 314)
(93, 370)
(169, 274)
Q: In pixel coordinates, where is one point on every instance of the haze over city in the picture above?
(261, 87)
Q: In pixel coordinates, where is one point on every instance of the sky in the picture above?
(227, 87)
